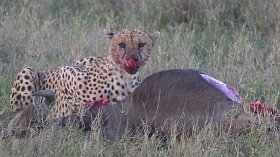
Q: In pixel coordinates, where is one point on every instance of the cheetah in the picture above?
(111, 77)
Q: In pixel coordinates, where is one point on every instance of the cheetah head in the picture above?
(132, 48)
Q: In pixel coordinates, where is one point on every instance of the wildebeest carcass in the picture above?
(177, 99)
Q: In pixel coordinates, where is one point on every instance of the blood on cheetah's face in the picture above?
(132, 48)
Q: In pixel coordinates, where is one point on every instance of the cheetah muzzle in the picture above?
(131, 66)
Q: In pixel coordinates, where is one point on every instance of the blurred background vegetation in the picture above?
(258, 15)
(259, 18)
(236, 41)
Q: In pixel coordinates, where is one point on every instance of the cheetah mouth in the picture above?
(132, 70)
(131, 66)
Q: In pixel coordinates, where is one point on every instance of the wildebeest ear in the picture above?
(154, 36)
(110, 35)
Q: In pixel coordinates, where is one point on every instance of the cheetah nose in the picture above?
(136, 59)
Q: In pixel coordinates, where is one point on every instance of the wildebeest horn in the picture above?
(48, 94)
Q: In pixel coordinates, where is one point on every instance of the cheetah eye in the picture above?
(141, 45)
(122, 45)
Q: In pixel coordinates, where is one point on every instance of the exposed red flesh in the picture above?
(262, 108)
(131, 63)
(103, 102)
(100, 102)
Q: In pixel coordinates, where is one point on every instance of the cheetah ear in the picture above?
(110, 35)
(154, 36)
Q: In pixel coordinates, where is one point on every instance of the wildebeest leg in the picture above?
(239, 123)
(21, 121)
(84, 119)
(31, 116)
(116, 122)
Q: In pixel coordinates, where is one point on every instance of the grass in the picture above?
(235, 41)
